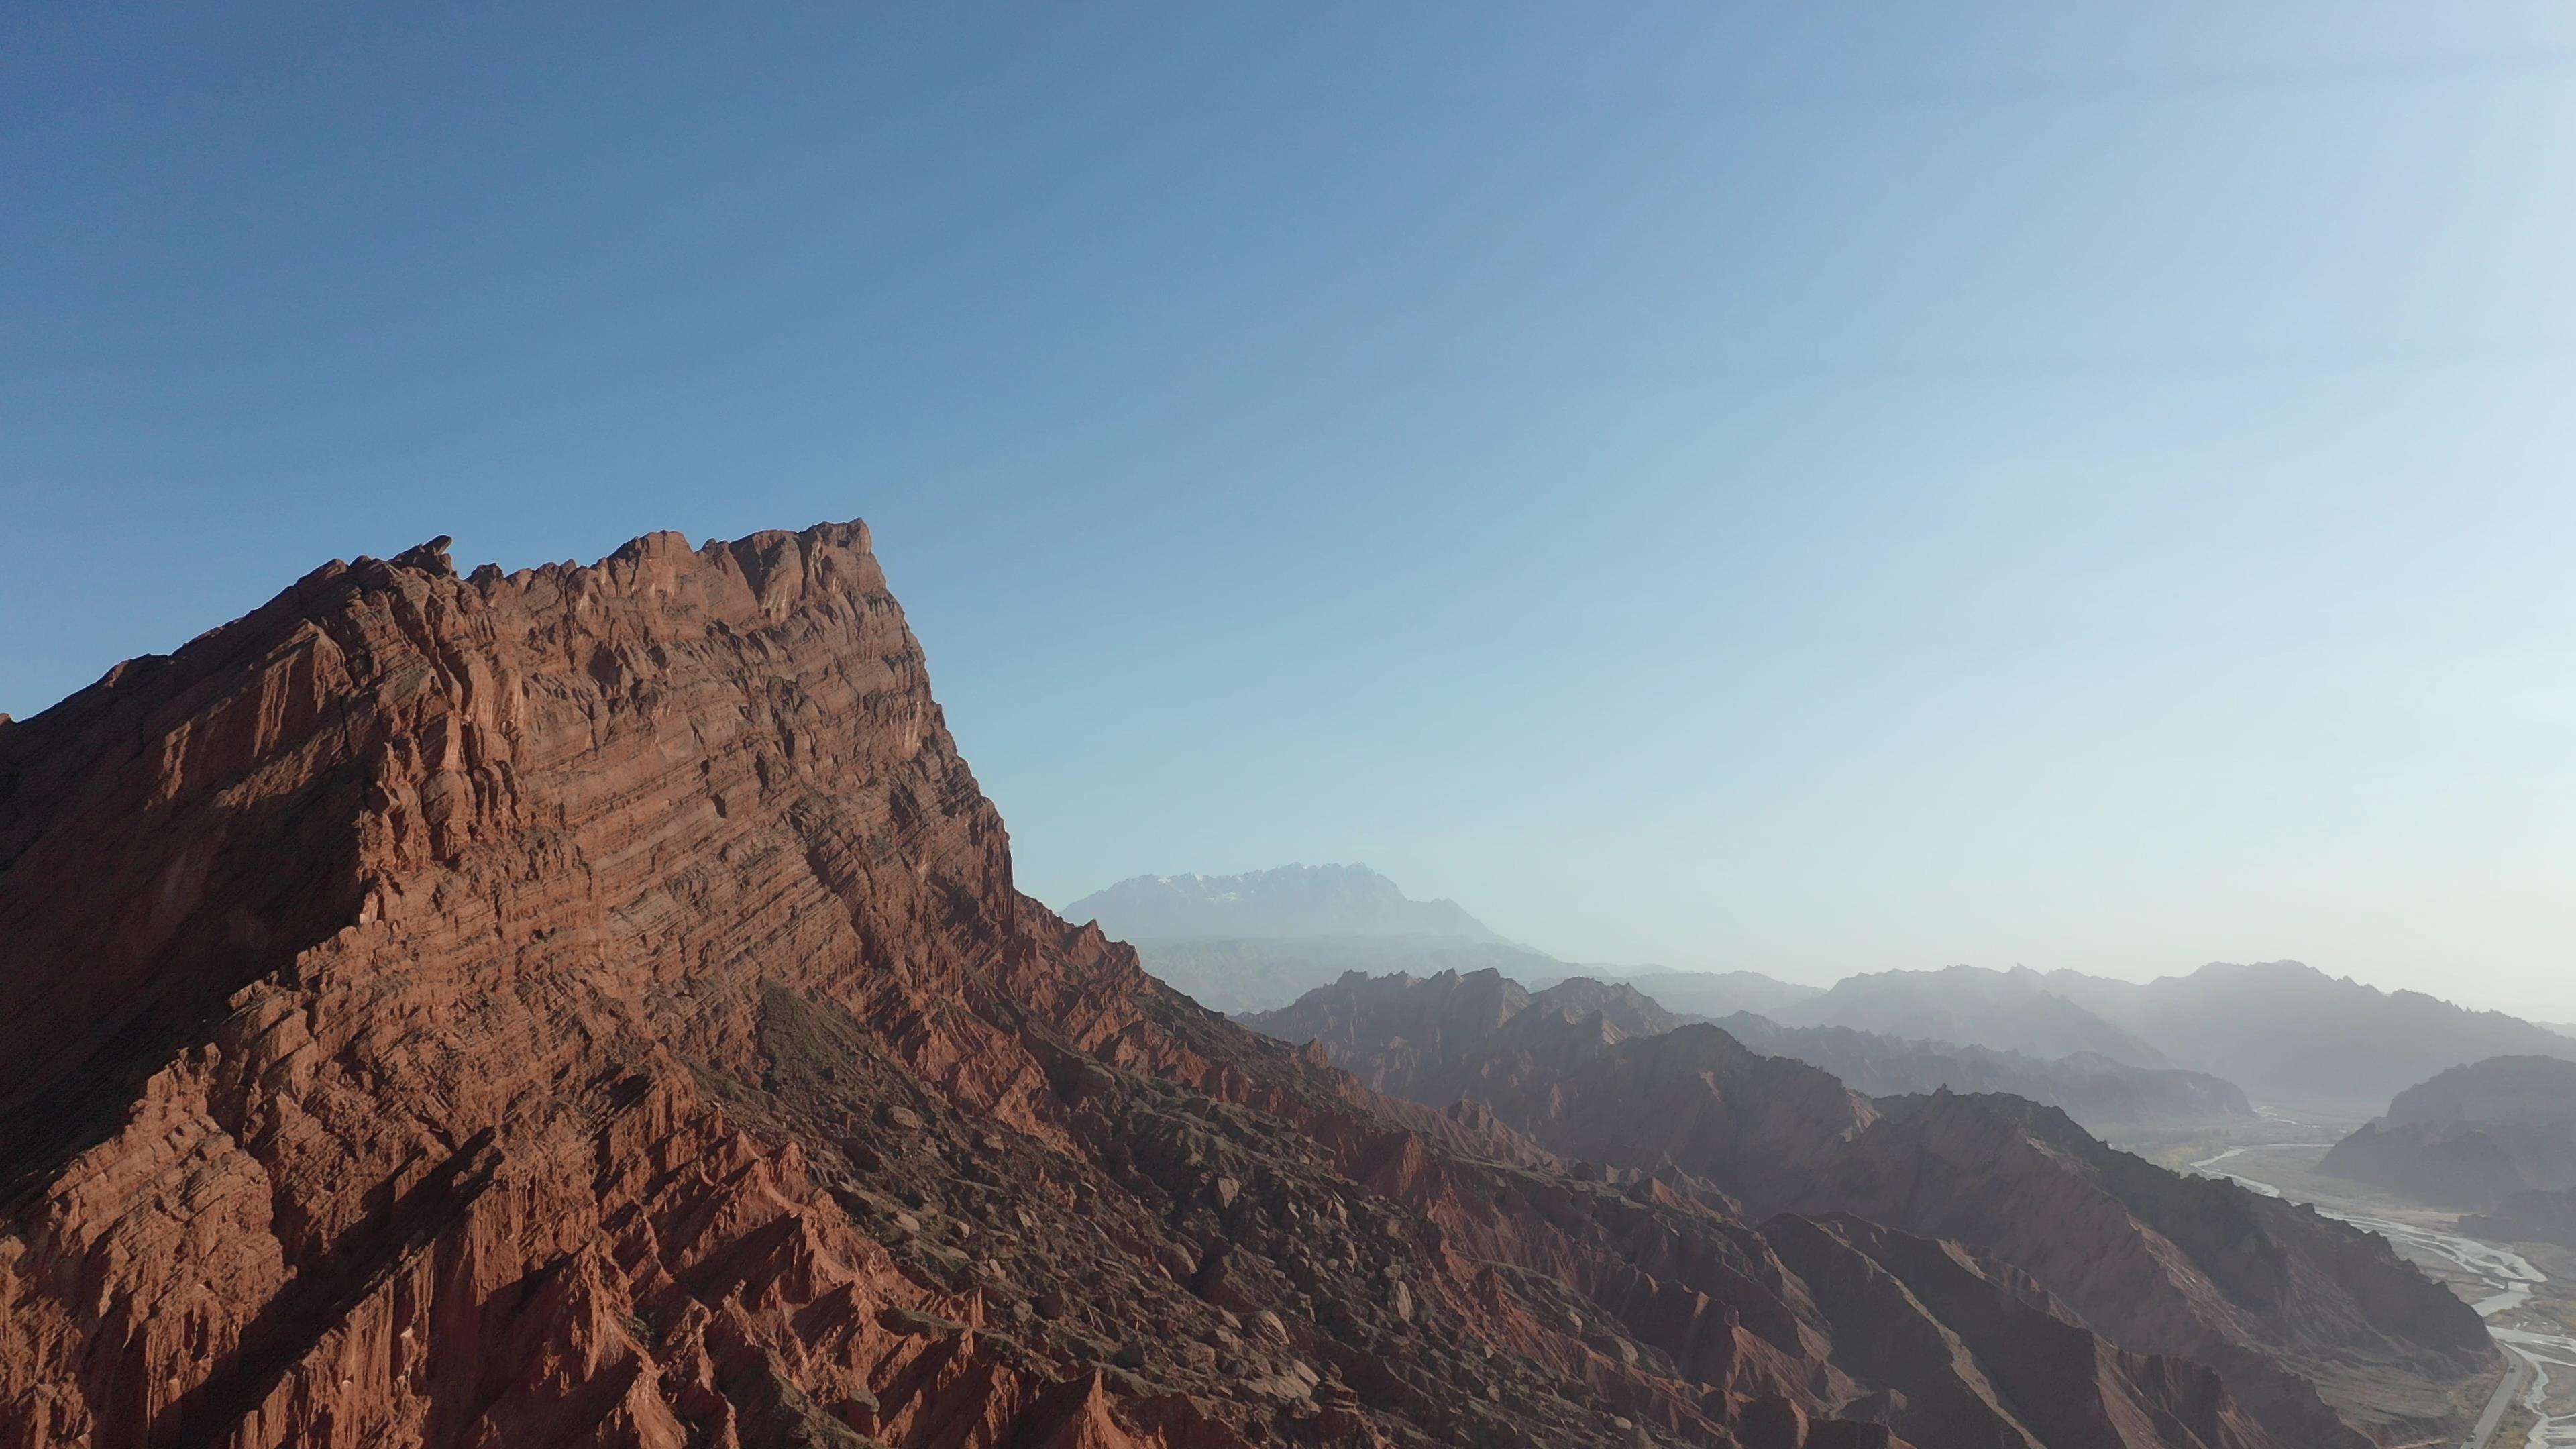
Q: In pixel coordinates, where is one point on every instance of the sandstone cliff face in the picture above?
(2282, 1301)
(591, 1006)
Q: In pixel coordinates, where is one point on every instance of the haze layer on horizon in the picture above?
(2013, 484)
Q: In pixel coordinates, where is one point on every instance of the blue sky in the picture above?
(1810, 488)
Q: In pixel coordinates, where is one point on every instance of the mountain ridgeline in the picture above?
(2289, 1033)
(2281, 1032)
(2005, 1011)
(1345, 1018)
(2321, 1332)
(591, 1006)
(1260, 940)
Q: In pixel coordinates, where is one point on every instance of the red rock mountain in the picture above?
(590, 1006)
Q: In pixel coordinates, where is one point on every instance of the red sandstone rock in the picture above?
(590, 1006)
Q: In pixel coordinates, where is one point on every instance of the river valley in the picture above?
(2527, 1294)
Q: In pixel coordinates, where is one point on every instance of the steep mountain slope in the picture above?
(590, 1007)
(2289, 1033)
(1292, 900)
(2470, 1135)
(2274, 1295)
(1972, 1006)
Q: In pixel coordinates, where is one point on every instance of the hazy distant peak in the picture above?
(2284, 970)
(1287, 902)
(2292, 1034)
(2018, 1011)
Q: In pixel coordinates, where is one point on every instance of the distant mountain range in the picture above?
(2007, 1011)
(1254, 974)
(1259, 941)
(1710, 994)
(2284, 1032)
(2283, 1301)
(2289, 1033)
(2100, 1092)
(1432, 1038)
(1291, 901)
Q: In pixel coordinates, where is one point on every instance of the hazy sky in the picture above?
(1812, 488)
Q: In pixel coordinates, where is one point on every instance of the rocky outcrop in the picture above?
(2281, 1300)
(590, 1006)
